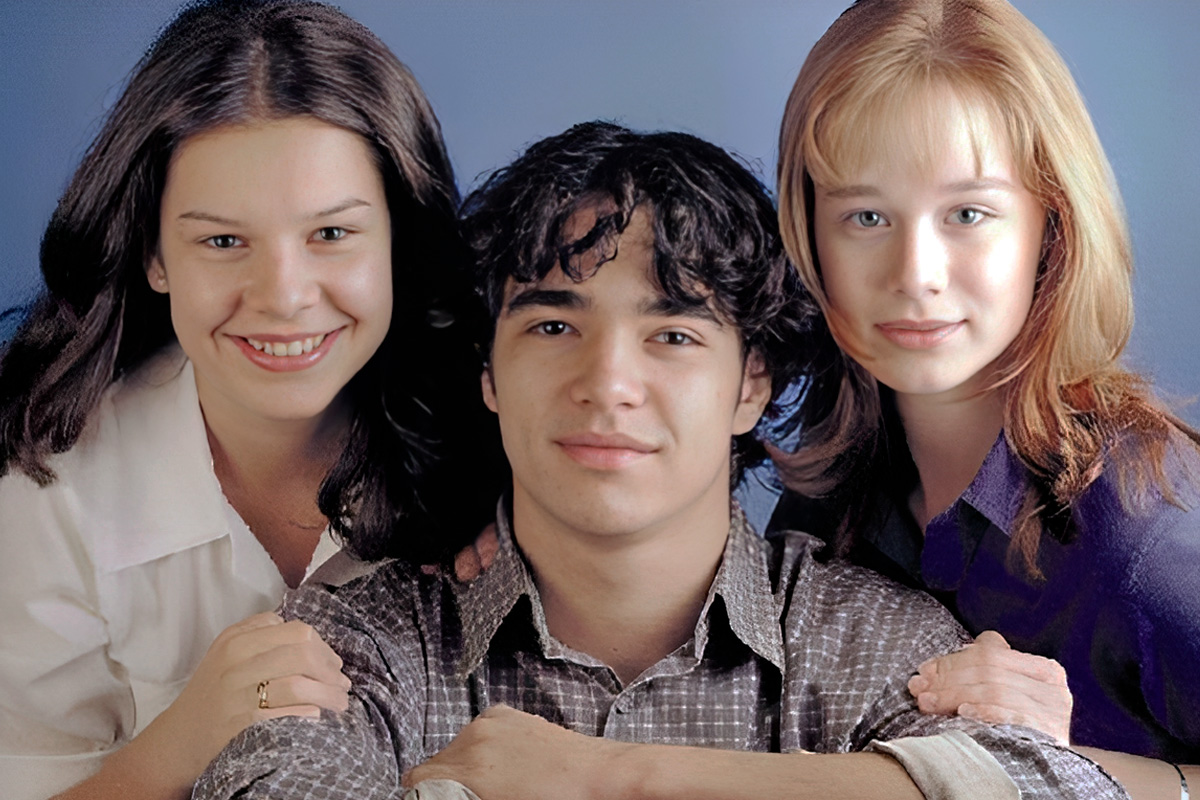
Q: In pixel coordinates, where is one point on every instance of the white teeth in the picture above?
(294, 348)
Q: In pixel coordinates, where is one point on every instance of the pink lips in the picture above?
(604, 451)
(919, 334)
(285, 363)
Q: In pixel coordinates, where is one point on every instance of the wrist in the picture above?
(154, 764)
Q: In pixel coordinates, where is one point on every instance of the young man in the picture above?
(633, 634)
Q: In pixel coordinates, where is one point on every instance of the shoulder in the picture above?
(138, 484)
(386, 600)
(852, 600)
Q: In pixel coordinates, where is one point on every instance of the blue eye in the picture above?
(868, 219)
(968, 216)
(223, 241)
(331, 233)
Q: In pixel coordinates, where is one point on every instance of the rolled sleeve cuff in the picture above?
(951, 766)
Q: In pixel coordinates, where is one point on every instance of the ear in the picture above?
(755, 394)
(156, 275)
(489, 389)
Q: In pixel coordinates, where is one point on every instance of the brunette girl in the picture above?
(253, 341)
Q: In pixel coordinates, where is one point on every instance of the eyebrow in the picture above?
(345, 205)
(549, 298)
(866, 190)
(664, 306)
(981, 184)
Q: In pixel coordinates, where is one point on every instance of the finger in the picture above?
(250, 643)
(467, 566)
(1013, 691)
(918, 684)
(487, 545)
(1039, 668)
(1000, 678)
(992, 639)
(297, 690)
(318, 663)
(253, 622)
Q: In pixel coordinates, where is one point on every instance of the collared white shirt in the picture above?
(115, 579)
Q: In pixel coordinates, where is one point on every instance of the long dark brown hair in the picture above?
(418, 418)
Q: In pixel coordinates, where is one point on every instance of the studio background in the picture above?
(503, 74)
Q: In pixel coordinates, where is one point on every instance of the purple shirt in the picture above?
(1119, 607)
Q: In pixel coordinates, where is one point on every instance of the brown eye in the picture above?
(223, 241)
(675, 338)
(331, 233)
(554, 327)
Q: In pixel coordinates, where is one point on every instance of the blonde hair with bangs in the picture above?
(1067, 400)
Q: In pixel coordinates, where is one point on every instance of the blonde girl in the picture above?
(945, 197)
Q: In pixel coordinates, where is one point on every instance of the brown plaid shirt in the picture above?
(788, 654)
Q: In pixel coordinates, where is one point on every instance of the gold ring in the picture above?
(262, 694)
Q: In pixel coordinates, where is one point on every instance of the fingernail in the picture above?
(918, 684)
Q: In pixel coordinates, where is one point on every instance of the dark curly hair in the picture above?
(716, 237)
(420, 432)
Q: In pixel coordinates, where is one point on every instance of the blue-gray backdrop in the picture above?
(502, 74)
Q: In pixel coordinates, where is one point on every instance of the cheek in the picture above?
(198, 303)
(367, 293)
(1007, 285)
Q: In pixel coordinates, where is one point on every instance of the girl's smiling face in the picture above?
(275, 249)
(929, 250)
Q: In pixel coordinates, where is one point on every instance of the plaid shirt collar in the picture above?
(742, 582)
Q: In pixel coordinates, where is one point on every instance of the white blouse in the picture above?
(115, 579)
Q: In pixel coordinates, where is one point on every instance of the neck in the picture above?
(627, 599)
(948, 440)
(271, 471)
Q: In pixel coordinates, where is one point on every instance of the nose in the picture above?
(921, 265)
(282, 282)
(608, 374)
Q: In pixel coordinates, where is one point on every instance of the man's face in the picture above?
(616, 407)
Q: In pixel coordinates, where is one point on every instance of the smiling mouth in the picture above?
(296, 347)
(295, 355)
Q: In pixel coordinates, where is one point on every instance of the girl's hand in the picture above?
(301, 673)
(991, 682)
(471, 561)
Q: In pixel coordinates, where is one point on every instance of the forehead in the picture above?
(919, 129)
(295, 159)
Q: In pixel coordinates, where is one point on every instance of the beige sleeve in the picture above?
(951, 766)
